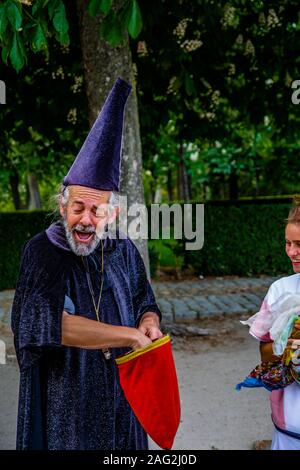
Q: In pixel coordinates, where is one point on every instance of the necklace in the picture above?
(105, 351)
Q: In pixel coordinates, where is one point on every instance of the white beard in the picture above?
(80, 249)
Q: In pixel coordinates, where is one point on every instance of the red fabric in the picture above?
(150, 385)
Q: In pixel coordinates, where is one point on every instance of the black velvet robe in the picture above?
(70, 398)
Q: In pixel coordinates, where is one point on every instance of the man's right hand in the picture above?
(139, 340)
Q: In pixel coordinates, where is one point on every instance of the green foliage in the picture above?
(118, 19)
(244, 239)
(13, 14)
(60, 23)
(127, 18)
(23, 225)
(167, 253)
(111, 29)
(45, 123)
(153, 257)
(24, 28)
(217, 66)
(240, 239)
(30, 27)
(134, 19)
(39, 39)
(16, 55)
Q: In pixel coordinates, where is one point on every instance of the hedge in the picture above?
(240, 238)
(15, 229)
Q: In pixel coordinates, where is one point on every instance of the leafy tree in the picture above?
(27, 26)
(45, 122)
(226, 68)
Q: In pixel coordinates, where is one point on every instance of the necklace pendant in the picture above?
(106, 353)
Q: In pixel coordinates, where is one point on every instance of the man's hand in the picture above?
(149, 325)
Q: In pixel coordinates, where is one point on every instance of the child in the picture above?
(270, 326)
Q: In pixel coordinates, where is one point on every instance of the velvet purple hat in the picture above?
(97, 165)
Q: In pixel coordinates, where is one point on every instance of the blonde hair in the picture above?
(294, 214)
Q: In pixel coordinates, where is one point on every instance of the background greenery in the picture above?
(214, 85)
(240, 238)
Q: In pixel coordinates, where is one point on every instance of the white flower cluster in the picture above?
(228, 16)
(239, 40)
(190, 45)
(262, 19)
(273, 20)
(172, 90)
(142, 50)
(180, 29)
(26, 2)
(58, 73)
(215, 98)
(209, 116)
(72, 116)
(249, 48)
(65, 49)
(231, 70)
(77, 85)
(194, 156)
(288, 80)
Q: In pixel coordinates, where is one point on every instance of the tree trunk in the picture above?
(14, 185)
(34, 193)
(103, 64)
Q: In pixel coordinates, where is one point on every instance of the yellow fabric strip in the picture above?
(156, 344)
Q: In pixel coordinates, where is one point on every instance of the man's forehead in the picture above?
(85, 193)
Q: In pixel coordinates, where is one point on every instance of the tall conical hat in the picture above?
(97, 165)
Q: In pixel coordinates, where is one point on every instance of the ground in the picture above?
(214, 415)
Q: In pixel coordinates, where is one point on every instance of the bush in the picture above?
(242, 238)
(15, 229)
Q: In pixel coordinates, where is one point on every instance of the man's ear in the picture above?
(62, 210)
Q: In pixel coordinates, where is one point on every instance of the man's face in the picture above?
(85, 216)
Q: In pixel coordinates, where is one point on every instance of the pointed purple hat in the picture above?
(97, 165)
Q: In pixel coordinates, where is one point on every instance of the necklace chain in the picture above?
(105, 351)
(96, 307)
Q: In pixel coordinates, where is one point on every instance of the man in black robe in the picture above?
(80, 301)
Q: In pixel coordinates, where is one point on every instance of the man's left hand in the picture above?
(149, 325)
